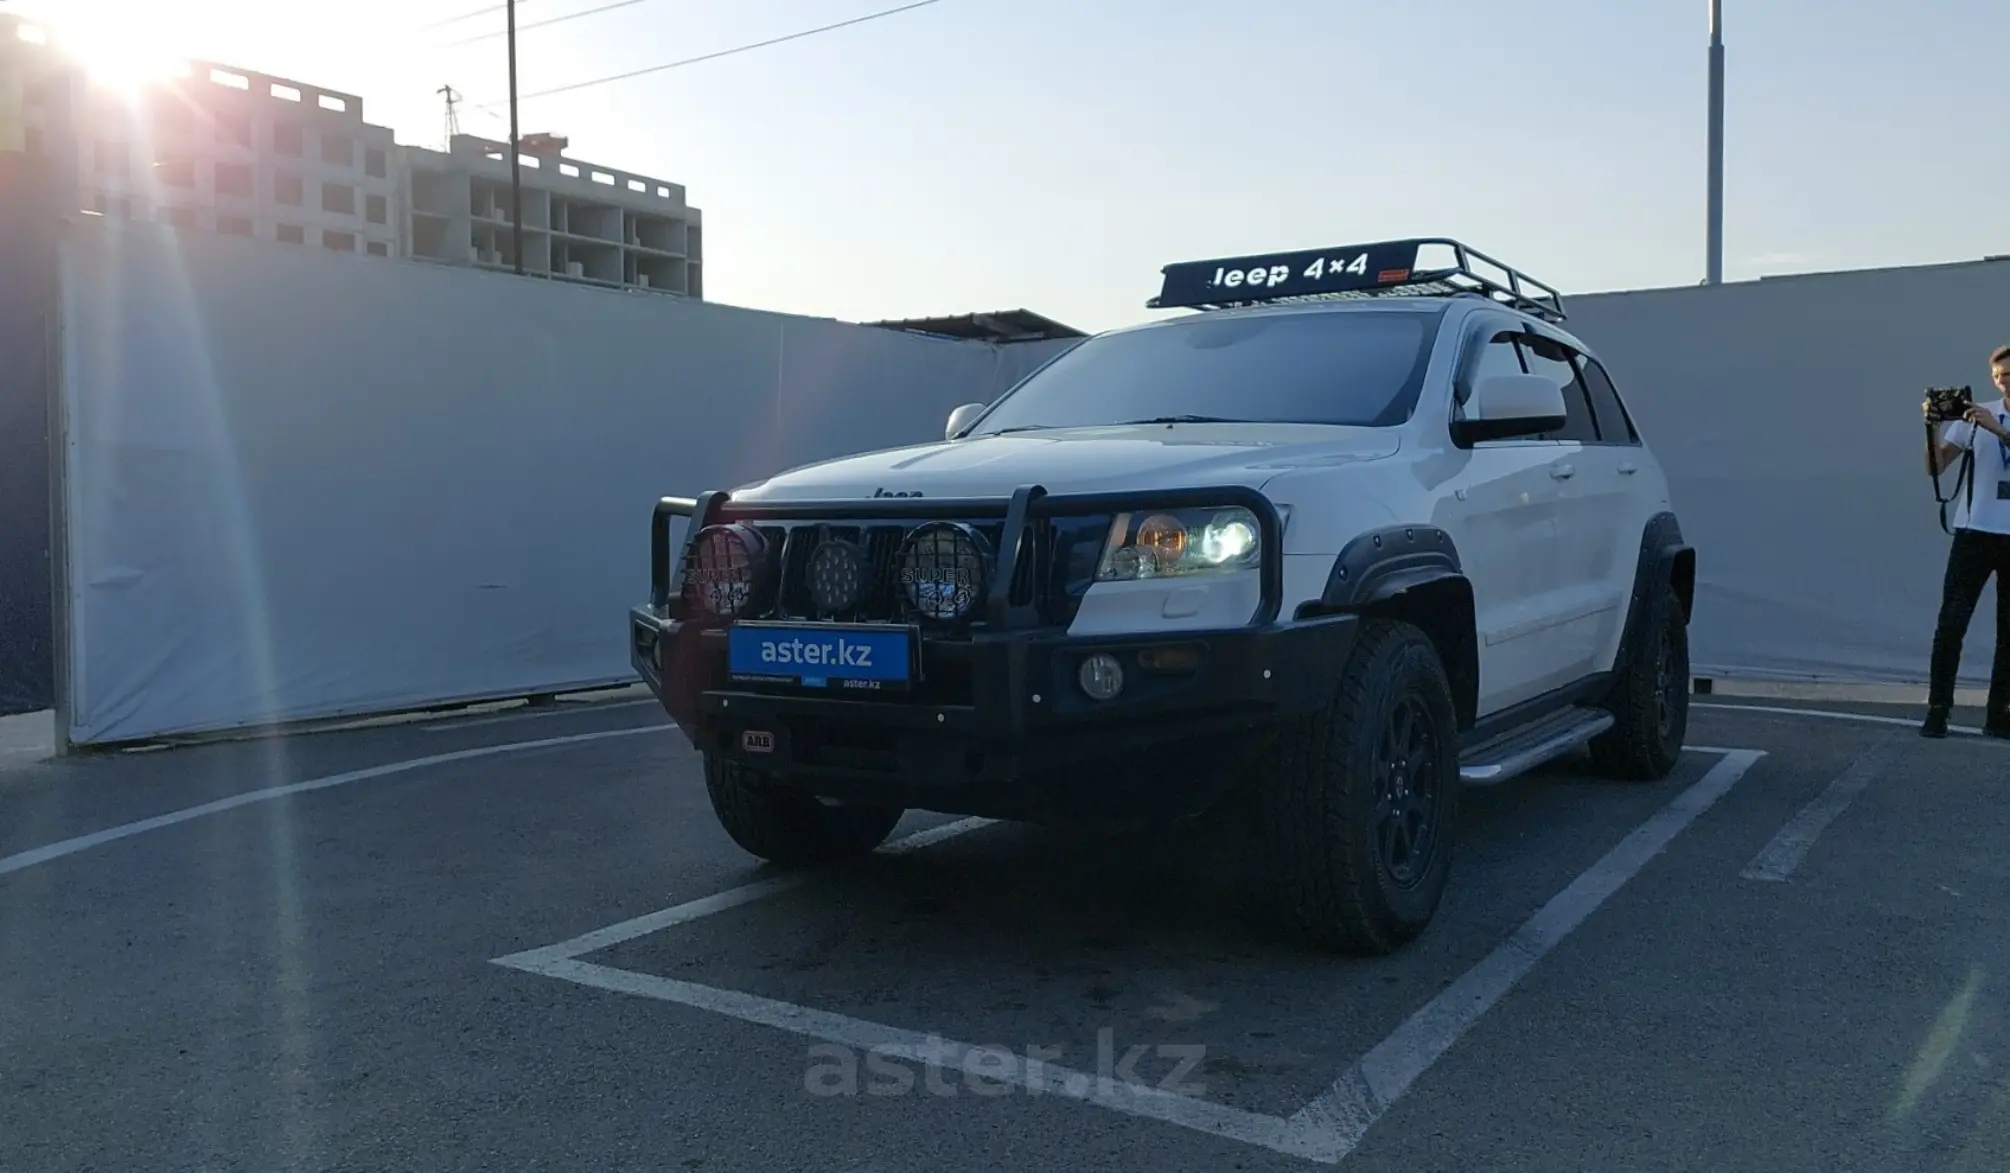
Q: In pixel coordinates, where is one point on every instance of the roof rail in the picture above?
(1383, 269)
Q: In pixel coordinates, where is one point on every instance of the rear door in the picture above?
(1588, 605)
(1640, 495)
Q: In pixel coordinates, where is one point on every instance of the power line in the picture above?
(523, 28)
(601, 81)
(467, 16)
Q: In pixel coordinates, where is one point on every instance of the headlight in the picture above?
(1163, 544)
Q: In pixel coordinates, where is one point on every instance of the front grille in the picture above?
(1055, 569)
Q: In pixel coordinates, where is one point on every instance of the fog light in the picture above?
(1101, 676)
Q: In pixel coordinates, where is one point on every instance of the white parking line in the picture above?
(1778, 859)
(656, 922)
(1828, 715)
(39, 855)
(999, 1064)
(1346, 1111)
(1325, 1130)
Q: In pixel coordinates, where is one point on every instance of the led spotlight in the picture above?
(837, 576)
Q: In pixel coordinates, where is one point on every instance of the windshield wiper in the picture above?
(1163, 419)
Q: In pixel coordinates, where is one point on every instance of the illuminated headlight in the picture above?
(943, 570)
(1180, 542)
(726, 571)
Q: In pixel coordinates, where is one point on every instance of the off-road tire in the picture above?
(1650, 701)
(788, 827)
(1320, 799)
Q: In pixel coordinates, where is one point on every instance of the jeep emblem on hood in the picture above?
(883, 493)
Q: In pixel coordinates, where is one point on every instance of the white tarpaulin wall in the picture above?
(1787, 413)
(302, 485)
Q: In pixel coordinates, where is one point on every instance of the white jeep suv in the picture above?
(1355, 535)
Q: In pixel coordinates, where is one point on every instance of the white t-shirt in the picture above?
(1992, 467)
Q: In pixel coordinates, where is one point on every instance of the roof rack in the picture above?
(1383, 269)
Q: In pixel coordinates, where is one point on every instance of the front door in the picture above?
(1507, 508)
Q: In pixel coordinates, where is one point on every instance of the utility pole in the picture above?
(1715, 262)
(515, 162)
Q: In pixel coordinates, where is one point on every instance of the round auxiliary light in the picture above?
(943, 568)
(1101, 676)
(723, 575)
(836, 576)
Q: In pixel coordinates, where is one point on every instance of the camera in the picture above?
(1946, 405)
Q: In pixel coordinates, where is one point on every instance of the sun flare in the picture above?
(117, 45)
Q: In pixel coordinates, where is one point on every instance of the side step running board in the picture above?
(1520, 750)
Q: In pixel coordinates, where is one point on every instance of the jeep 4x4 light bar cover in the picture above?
(1384, 269)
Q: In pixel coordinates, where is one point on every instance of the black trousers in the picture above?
(1974, 556)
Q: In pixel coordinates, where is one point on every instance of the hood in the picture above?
(1081, 460)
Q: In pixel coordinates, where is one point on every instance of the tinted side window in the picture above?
(1552, 361)
(1614, 425)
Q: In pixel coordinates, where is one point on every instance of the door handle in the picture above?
(1629, 468)
(1561, 472)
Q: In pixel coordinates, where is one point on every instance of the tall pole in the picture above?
(1716, 199)
(515, 161)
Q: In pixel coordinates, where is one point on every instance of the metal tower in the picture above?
(453, 113)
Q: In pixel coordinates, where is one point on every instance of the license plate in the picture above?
(832, 656)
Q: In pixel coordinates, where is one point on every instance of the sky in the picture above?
(1054, 154)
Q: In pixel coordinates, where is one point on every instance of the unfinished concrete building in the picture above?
(217, 148)
(581, 221)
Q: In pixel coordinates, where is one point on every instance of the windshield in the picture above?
(1359, 368)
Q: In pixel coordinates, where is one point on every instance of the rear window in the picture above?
(1357, 368)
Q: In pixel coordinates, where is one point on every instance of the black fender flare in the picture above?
(1665, 560)
(1383, 563)
(1414, 572)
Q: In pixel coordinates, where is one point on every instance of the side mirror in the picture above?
(962, 418)
(1505, 407)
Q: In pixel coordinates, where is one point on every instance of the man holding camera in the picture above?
(1981, 548)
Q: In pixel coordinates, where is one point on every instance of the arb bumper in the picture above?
(998, 718)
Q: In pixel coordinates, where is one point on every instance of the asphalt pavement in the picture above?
(522, 942)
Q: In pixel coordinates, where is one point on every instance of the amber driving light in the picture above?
(725, 571)
(1172, 660)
